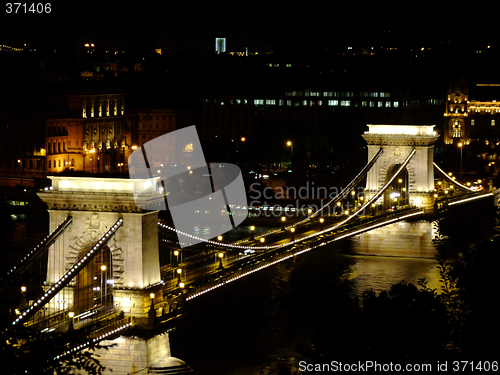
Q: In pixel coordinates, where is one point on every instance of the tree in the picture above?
(28, 351)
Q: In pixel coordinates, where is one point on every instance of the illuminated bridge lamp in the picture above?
(152, 295)
(71, 315)
(23, 289)
(103, 268)
(262, 240)
(182, 285)
(283, 218)
(346, 212)
(219, 238)
(321, 220)
(220, 255)
(292, 230)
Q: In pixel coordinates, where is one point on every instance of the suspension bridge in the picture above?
(99, 268)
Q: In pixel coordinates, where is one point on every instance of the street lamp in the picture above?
(220, 255)
(20, 170)
(23, 304)
(289, 144)
(103, 269)
(176, 253)
(292, 230)
(152, 312)
(321, 220)
(179, 271)
(252, 228)
(461, 145)
(71, 315)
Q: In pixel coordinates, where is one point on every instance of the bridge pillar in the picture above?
(128, 267)
(132, 262)
(415, 186)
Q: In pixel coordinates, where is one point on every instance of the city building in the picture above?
(94, 137)
(234, 113)
(472, 112)
(147, 124)
(220, 45)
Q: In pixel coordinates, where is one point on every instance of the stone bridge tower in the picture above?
(415, 184)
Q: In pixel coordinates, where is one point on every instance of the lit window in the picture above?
(379, 104)
(304, 103)
(372, 104)
(238, 101)
(258, 102)
(472, 122)
(345, 103)
(320, 102)
(333, 102)
(395, 104)
(270, 102)
(492, 122)
(363, 104)
(289, 103)
(387, 104)
(281, 102)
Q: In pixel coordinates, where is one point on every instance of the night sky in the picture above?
(248, 23)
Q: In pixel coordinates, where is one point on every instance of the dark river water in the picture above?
(248, 326)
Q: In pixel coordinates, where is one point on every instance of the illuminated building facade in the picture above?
(472, 113)
(147, 124)
(94, 138)
(231, 115)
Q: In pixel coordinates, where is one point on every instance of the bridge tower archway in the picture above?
(397, 193)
